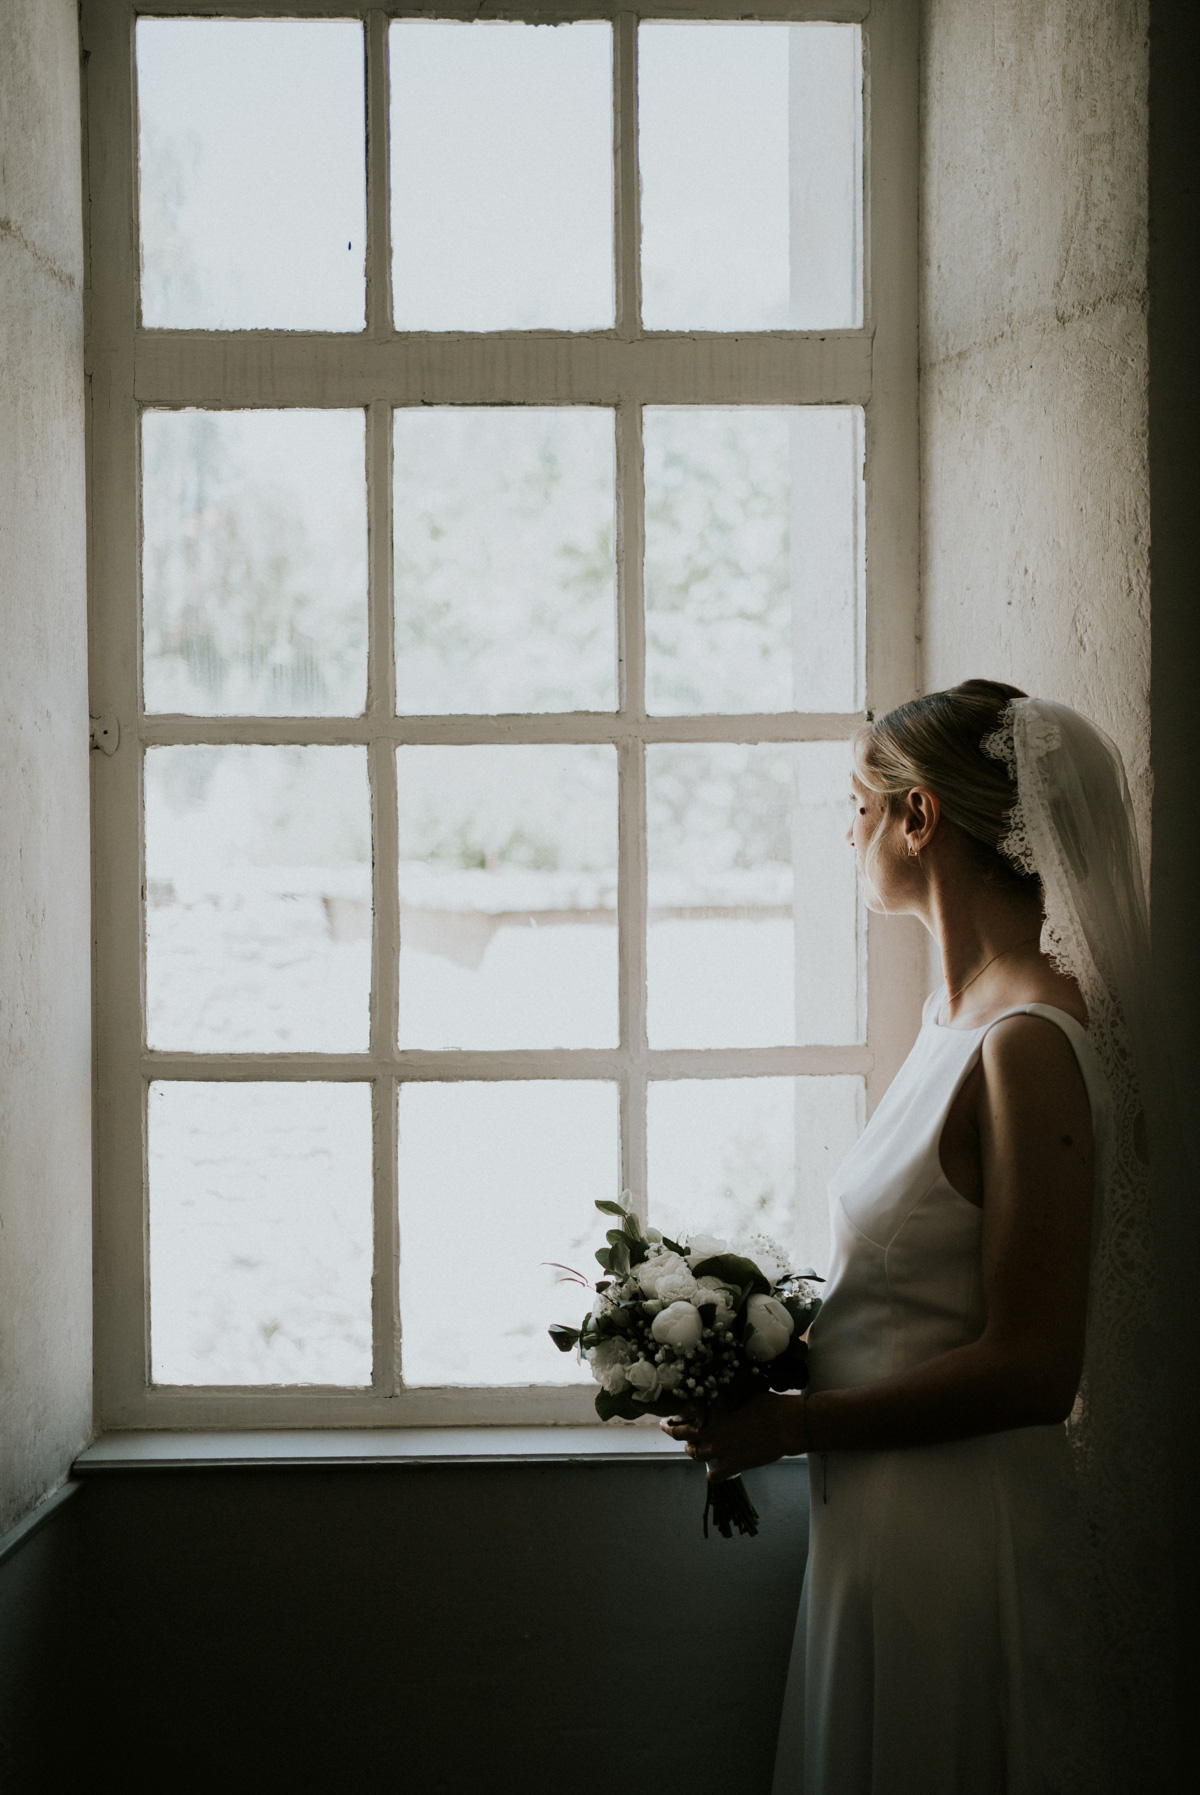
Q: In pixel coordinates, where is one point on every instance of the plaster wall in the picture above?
(45, 981)
(1035, 484)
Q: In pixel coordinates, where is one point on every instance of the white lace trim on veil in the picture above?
(1073, 826)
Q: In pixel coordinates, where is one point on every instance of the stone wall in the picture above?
(45, 971)
(1035, 485)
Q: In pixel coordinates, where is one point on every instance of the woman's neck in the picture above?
(977, 928)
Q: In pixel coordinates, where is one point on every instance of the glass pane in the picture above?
(254, 562)
(258, 899)
(754, 558)
(750, 144)
(505, 576)
(743, 1156)
(500, 1178)
(508, 895)
(753, 934)
(251, 146)
(260, 1233)
(501, 175)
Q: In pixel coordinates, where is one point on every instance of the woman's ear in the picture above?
(921, 816)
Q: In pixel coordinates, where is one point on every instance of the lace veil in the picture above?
(1073, 826)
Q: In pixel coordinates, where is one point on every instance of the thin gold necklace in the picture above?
(953, 996)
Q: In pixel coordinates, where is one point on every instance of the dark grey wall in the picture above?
(538, 1628)
(1174, 346)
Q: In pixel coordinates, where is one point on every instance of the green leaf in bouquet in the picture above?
(604, 1258)
(620, 1407)
(618, 1255)
(607, 1208)
(673, 1246)
(633, 1227)
(732, 1268)
(564, 1338)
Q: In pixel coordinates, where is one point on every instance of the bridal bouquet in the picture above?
(691, 1325)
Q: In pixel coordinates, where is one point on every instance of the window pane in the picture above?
(754, 558)
(508, 888)
(501, 175)
(499, 1177)
(254, 562)
(505, 577)
(253, 174)
(743, 1156)
(258, 899)
(750, 149)
(260, 1233)
(753, 907)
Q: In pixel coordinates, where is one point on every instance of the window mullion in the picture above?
(631, 822)
(385, 897)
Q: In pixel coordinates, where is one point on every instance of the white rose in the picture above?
(704, 1246)
(710, 1290)
(679, 1326)
(653, 1270)
(608, 1362)
(677, 1287)
(769, 1328)
(645, 1381)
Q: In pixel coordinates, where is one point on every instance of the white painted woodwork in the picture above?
(379, 368)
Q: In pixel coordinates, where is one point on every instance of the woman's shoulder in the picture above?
(1033, 981)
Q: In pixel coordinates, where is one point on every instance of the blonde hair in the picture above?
(935, 742)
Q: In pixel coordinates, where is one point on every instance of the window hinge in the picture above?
(106, 734)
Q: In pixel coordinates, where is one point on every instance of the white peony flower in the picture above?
(677, 1287)
(658, 1266)
(704, 1246)
(609, 1361)
(769, 1328)
(713, 1290)
(653, 1305)
(679, 1326)
(645, 1381)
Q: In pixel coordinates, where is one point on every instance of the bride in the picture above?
(956, 1630)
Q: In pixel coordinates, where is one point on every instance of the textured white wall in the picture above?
(1035, 505)
(45, 979)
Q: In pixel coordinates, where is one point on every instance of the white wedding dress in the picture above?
(941, 1637)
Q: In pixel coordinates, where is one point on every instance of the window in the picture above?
(502, 471)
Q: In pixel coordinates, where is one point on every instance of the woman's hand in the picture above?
(757, 1434)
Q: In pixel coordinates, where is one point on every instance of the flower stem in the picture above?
(730, 1506)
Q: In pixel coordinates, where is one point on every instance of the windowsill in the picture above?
(309, 1447)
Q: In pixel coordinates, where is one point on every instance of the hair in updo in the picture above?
(935, 742)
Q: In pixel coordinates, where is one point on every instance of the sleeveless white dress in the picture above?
(938, 1643)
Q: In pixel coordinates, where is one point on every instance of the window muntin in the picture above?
(634, 379)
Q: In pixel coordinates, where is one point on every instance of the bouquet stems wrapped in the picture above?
(692, 1326)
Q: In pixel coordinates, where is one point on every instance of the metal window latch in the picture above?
(106, 734)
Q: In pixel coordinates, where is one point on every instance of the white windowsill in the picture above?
(149, 1451)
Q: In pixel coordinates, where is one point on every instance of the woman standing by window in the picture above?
(975, 1608)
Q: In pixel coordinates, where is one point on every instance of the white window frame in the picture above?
(626, 367)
